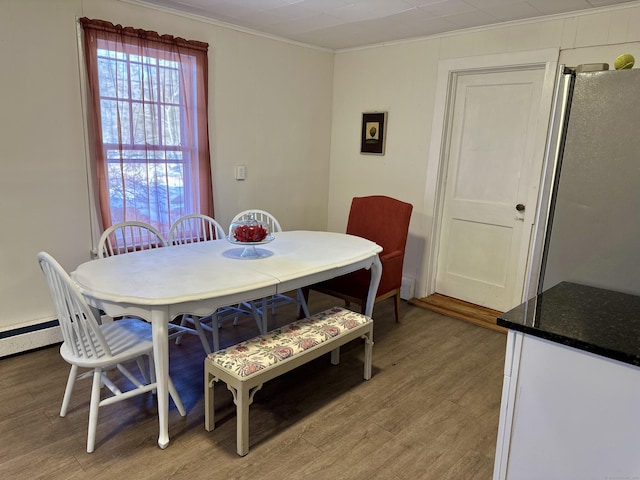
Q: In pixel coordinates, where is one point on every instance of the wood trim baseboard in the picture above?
(31, 340)
(461, 310)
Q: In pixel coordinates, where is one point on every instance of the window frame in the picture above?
(190, 147)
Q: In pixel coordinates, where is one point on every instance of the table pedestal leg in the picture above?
(159, 320)
(376, 273)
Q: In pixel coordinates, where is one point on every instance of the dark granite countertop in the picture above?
(599, 321)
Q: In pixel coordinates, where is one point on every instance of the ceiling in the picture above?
(340, 24)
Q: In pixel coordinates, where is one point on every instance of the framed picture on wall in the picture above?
(373, 133)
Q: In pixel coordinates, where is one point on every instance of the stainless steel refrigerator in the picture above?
(588, 226)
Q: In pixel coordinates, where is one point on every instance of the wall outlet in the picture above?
(241, 172)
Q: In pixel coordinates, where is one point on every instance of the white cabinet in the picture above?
(567, 414)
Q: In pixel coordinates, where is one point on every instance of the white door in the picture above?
(496, 148)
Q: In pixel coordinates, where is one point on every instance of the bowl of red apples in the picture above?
(249, 231)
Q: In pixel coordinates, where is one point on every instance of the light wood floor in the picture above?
(430, 411)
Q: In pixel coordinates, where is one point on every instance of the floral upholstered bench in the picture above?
(245, 367)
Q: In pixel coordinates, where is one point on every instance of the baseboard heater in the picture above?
(24, 339)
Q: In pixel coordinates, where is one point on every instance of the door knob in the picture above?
(520, 207)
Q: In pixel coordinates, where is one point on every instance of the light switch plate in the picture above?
(240, 172)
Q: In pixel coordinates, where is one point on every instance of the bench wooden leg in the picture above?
(368, 353)
(242, 417)
(335, 356)
(209, 382)
(243, 397)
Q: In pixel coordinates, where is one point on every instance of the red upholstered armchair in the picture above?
(385, 221)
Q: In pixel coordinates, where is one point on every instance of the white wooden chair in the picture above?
(261, 216)
(127, 237)
(99, 347)
(132, 236)
(201, 228)
(275, 300)
(195, 228)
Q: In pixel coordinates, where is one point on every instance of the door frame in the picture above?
(437, 163)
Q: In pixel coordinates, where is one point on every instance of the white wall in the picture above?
(270, 109)
(43, 182)
(401, 79)
(291, 114)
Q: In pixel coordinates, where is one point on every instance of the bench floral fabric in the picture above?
(260, 353)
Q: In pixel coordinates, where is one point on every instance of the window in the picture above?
(149, 104)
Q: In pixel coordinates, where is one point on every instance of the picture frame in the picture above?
(374, 129)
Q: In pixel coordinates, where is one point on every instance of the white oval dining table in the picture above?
(159, 284)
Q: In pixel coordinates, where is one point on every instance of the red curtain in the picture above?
(148, 105)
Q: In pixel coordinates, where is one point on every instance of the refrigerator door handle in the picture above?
(553, 157)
